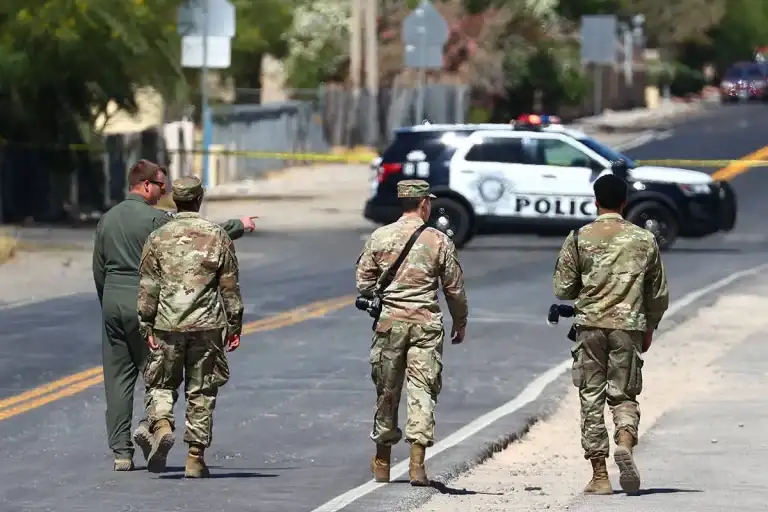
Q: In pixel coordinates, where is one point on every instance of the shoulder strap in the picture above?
(576, 244)
(390, 275)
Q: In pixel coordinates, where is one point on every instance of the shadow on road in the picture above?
(444, 489)
(228, 474)
(658, 490)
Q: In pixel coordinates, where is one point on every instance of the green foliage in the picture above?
(742, 29)
(574, 9)
(61, 60)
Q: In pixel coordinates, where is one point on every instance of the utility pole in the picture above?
(355, 64)
(205, 109)
(372, 69)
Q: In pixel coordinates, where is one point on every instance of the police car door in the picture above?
(567, 171)
(489, 170)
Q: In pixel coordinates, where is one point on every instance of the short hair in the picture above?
(188, 206)
(144, 170)
(410, 204)
(611, 191)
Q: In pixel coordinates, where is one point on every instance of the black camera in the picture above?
(370, 306)
(562, 310)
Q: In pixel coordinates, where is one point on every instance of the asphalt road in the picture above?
(291, 427)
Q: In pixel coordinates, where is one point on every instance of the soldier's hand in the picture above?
(233, 342)
(151, 343)
(457, 335)
(248, 222)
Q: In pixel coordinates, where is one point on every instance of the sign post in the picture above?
(598, 47)
(206, 27)
(424, 33)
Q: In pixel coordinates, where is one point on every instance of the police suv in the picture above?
(535, 172)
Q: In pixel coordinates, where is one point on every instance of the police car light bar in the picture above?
(538, 120)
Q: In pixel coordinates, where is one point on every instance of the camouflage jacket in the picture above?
(412, 295)
(619, 282)
(185, 264)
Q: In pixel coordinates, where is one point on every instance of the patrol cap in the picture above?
(187, 188)
(414, 188)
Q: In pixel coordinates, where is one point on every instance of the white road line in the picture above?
(528, 395)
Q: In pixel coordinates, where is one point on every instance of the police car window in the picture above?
(606, 152)
(432, 144)
(498, 150)
(559, 153)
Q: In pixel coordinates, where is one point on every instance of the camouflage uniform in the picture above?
(408, 338)
(620, 292)
(184, 266)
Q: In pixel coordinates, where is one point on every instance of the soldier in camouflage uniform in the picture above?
(185, 265)
(408, 338)
(619, 286)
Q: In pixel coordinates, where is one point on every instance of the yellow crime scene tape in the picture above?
(364, 155)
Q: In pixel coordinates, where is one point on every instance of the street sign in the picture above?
(206, 27)
(424, 56)
(598, 39)
(218, 52)
(219, 14)
(424, 33)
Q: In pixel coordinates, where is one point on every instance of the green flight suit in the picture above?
(120, 237)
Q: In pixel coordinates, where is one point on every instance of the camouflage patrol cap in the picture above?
(187, 188)
(414, 188)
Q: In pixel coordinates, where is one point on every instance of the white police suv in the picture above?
(536, 173)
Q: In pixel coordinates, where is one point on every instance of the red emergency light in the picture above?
(537, 120)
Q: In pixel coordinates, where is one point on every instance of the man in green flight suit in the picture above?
(120, 237)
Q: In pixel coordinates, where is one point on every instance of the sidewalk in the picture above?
(702, 441)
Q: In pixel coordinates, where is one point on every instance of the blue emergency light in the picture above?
(537, 119)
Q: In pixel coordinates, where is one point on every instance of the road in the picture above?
(291, 427)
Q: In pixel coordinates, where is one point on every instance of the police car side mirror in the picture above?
(620, 169)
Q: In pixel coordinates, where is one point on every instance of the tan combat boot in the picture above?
(196, 467)
(600, 483)
(417, 473)
(629, 476)
(123, 464)
(161, 444)
(380, 463)
(143, 439)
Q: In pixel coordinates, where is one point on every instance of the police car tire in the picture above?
(662, 212)
(461, 220)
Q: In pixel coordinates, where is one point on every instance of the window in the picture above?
(559, 153)
(433, 144)
(501, 150)
(606, 152)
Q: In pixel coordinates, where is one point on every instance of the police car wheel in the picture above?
(657, 219)
(452, 218)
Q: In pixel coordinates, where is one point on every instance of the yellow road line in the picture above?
(52, 386)
(740, 166)
(46, 399)
(73, 384)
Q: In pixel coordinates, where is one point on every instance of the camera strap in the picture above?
(390, 275)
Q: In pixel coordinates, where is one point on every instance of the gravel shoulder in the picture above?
(683, 380)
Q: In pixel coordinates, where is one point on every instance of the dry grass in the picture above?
(8, 248)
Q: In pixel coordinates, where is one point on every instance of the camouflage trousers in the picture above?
(607, 367)
(403, 351)
(196, 359)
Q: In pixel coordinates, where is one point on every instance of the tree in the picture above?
(316, 42)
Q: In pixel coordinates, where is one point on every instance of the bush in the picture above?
(8, 247)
